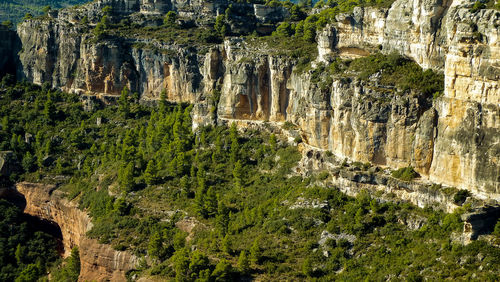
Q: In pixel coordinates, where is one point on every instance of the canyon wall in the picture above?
(99, 262)
(453, 140)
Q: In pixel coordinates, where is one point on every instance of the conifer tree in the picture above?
(222, 271)
(243, 263)
(126, 177)
(181, 264)
(237, 175)
(255, 252)
(273, 142)
(222, 219)
(150, 174)
(124, 103)
(163, 101)
(199, 201)
(155, 246)
(226, 244)
(49, 109)
(210, 202)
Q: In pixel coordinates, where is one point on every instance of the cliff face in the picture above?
(452, 140)
(458, 145)
(468, 148)
(98, 262)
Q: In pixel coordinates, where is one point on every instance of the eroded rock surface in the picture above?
(453, 140)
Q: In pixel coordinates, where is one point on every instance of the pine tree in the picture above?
(28, 162)
(235, 149)
(199, 201)
(243, 263)
(59, 167)
(120, 206)
(222, 219)
(93, 149)
(237, 175)
(185, 185)
(496, 230)
(181, 264)
(5, 124)
(199, 262)
(220, 25)
(210, 202)
(73, 264)
(222, 271)
(307, 268)
(272, 142)
(155, 246)
(150, 174)
(126, 177)
(19, 254)
(163, 101)
(49, 110)
(124, 103)
(226, 245)
(255, 252)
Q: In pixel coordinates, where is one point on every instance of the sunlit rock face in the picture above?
(453, 140)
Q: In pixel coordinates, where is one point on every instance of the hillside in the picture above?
(15, 11)
(223, 140)
(222, 204)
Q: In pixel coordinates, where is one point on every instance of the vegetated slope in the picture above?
(15, 10)
(221, 205)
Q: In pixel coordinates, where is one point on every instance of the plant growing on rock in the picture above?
(170, 19)
(405, 173)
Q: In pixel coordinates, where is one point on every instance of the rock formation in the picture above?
(99, 262)
(453, 140)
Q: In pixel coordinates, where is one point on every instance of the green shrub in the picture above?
(170, 18)
(478, 5)
(323, 175)
(400, 72)
(405, 173)
(496, 230)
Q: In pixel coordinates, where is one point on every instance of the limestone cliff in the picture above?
(98, 262)
(452, 140)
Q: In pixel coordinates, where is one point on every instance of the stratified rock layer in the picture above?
(453, 140)
(99, 262)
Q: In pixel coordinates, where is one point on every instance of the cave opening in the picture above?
(48, 227)
(36, 223)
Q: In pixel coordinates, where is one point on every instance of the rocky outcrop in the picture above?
(98, 261)
(453, 140)
(468, 148)
(480, 221)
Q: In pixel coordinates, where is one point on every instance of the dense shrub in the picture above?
(400, 72)
(405, 173)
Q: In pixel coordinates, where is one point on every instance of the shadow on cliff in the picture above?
(38, 224)
(10, 45)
